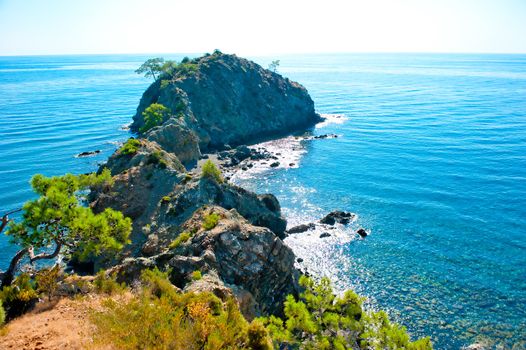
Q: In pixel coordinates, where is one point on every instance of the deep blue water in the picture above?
(431, 156)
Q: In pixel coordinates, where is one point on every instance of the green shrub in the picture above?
(177, 321)
(321, 320)
(211, 171)
(47, 280)
(2, 314)
(157, 283)
(154, 115)
(258, 336)
(130, 147)
(156, 157)
(196, 275)
(107, 284)
(165, 199)
(183, 237)
(180, 106)
(210, 221)
(19, 297)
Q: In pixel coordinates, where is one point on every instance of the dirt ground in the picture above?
(62, 324)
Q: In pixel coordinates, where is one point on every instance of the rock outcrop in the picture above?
(235, 257)
(220, 102)
(224, 100)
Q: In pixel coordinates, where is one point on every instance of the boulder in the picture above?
(362, 232)
(337, 216)
(301, 228)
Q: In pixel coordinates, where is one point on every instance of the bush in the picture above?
(107, 284)
(156, 157)
(171, 321)
(2, 314)
(211, 171)
(157, 283)
(196, 275)
(19, 297)
(130, 147)
(183, 237)
(47, 280)
(154, 115)
(210, 221)
(258, 337)
(165, 199)
(321, 320)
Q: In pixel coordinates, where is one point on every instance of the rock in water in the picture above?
(301, 228)
(362, 232)
(227, 100)
(337, 216)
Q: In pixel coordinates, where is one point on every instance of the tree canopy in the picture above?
(155, 114)
(153, 67)
(57, 220)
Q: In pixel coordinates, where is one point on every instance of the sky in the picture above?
(261, 27)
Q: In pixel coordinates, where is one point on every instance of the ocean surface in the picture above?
(431, 156)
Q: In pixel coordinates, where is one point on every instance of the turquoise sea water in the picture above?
(431, 156)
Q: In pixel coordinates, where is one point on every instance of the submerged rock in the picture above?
(325, 235)
(88, 153)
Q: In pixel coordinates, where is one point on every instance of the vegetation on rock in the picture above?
(154, 115)
(210, 221)
(211, 171)
(321, 320)
(159, 317)
(183, 237)
(151, 68)
(130, 147)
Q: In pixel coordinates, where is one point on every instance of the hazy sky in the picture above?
(258, 27)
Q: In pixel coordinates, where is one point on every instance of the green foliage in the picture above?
(217, 52)
(57, 219)
(154, 115)
(18, 297)
(157, 283)
(183, 237)
(273, 66)
(321, 320)
(210, 170)
(156, 157)
(2, 314)
(180, 106)
(210, 221)
(130, 147)
(258, 336)
(107, 284)
(165, 199)
(166, 319)
(47, 280)
(153, 67)
(196, 275)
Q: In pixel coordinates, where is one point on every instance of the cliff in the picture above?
(222, 100)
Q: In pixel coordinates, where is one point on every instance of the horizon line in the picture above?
(269, 54)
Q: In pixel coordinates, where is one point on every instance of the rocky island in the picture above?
(198, 243)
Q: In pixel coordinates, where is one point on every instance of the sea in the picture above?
(430, 155)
